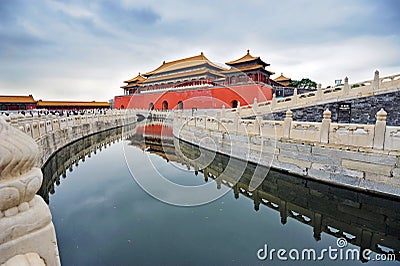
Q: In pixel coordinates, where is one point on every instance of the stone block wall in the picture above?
(362, 110)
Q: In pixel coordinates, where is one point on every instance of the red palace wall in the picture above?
(198, 98)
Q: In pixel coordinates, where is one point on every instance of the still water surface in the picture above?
(103, 217)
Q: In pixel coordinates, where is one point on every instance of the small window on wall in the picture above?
(165, 105)
(122, 107)
(151, 106)
(234, 104)
(22, 107)
(3, 107)
(180, 105)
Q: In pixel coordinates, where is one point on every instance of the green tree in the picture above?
(304, 83)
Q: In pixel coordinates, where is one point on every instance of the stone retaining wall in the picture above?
(357, 110)
(363, 157)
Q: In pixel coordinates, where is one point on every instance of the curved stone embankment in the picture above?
(27, 232)
(52, 132)
(365, 157)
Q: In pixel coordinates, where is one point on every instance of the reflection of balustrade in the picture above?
(65, 159)
(356, 216)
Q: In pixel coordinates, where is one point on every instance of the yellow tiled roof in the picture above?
(182, 63)
(247, 68)
(282, 78)
(41, 103)
(16, 99)
(132, 85)
(246, 58)
(139, 79)
(187, 74)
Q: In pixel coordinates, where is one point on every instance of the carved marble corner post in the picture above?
(287, 123)
(26, 226)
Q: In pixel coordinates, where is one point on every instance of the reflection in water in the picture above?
(367, 221)
(65, 159)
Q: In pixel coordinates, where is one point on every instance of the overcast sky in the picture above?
(84, 50)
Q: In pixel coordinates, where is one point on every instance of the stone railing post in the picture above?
(380, 130)
(21, 122)
(375, 83)
(236, 121)
(255, 106)
(319, 91)
(35, 126)
(273, 103)
(49, 121)
(14, 120)
(346, 86)
(57, 119)
(25, 219)
(257, 124)
(325, 126)
(287, 123)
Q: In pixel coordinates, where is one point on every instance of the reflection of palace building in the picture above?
(196, 82)
(365, 220)
(368, 221)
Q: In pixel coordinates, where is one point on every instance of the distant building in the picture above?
(13, 102)
(247, 68)
(21, 103)
(111, 102)
(70, 105)
(283, 81)
(196, 82)
(133, 84)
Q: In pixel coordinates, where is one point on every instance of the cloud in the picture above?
(85, 49)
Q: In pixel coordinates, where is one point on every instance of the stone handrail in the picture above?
(346, 91)
(52, 132)
(360, 156)
(376, 137)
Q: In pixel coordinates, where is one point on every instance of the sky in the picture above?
(84, 50)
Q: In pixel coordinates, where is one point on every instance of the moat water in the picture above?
(103, 216)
